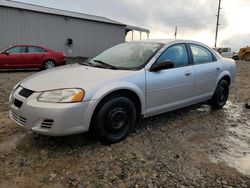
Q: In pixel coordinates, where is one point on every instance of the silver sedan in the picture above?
(108, 94)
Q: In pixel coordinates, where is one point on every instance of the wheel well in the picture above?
(227, 78)
(50, 59)
(123, 92)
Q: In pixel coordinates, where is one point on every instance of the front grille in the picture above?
(25, 92)
(47, 123)
(18, 103)
(19, 119)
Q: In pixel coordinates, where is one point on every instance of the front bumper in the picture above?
(54, 119)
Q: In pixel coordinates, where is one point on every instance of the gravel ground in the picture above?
(191, 147)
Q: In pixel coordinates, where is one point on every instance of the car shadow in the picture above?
(18, 70)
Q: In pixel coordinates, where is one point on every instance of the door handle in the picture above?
(188, 73)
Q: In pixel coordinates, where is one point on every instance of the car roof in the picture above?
(166, 41)
(163, 41)
(174, 41)
(26, 45)
(40, 46)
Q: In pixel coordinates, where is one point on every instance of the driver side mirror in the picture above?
(7, 52)
(166, 64)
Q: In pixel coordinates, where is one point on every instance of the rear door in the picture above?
(206, 71)
(35, 56)
(171, 88)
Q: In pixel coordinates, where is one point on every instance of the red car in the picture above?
(30, 56)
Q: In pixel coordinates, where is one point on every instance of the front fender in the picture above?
(107, 89)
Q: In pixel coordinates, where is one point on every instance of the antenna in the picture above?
(175, 33)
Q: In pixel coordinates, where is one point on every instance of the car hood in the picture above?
(69, 76)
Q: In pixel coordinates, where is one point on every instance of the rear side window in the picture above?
(32, 49)
(177, 54)
(17, 50)
(201, 54)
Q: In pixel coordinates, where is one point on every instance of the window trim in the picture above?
(161, 45)
(188, 54)
(17, 47)
(44, 51)
(192, 57)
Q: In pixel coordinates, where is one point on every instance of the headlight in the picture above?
(16, 86)
(13, 89)
(62, 96)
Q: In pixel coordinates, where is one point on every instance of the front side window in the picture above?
(177, 54)
(33, 49)
(201, 54)
(129, 55)
(17, 50)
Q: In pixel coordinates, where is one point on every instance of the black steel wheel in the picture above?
(220, 96)
(114, 119)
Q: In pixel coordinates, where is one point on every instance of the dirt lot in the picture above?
(191, 147)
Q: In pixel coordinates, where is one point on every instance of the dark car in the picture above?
(30, 56)
(236, 57)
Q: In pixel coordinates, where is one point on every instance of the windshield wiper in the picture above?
(105, 64)
(86, 63)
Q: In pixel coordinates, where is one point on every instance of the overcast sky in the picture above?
(196, 19)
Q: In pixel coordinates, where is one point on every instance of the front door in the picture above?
(16, 57)
(171, 88)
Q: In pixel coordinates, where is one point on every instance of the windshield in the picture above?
(1, 50)
(130, 55)
(4, 49)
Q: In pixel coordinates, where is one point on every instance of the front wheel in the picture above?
(220, 96)
(114, 119)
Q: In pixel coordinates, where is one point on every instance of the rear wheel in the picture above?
(220, 96)
(48, 64)
(114, 119)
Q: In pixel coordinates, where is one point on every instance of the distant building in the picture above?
(73, 33)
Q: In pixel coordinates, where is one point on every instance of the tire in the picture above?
(236, 57)
(48, 64)
(114, 119)
(220, 96)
